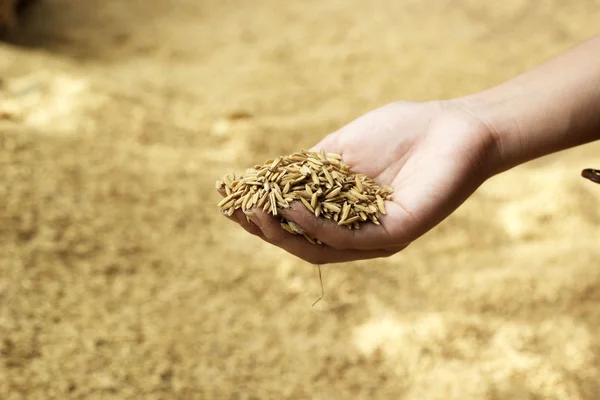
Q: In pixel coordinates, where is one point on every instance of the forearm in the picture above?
(550, 108)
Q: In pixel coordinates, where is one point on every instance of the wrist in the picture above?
(550, 108)
(526, 123)
(498, 112)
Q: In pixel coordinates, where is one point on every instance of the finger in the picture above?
(312, 253)
(242, 219)
(246, 223)
(369, 237)
(329, 143)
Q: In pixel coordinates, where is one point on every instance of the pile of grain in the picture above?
(321, 181)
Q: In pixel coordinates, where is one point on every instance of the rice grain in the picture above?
(325, 186)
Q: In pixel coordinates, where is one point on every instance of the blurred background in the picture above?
(119, 279)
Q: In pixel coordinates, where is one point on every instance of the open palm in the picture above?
(434, 155)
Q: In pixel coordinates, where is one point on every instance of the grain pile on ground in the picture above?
(120, 280)
(321, 181)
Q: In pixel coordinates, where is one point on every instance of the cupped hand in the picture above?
(434, 155)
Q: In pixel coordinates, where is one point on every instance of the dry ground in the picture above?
(120, 280)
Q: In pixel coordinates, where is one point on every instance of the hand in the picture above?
(434, 155)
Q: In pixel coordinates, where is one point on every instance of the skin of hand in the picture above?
(436, 154)
(433, 154)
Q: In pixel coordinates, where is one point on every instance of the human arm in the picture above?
(550, 108)
(436, 154)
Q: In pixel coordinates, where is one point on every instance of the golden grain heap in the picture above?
(321, 181)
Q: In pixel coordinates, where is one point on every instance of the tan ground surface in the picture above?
(120, 280)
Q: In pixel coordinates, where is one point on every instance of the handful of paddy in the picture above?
(326, 186)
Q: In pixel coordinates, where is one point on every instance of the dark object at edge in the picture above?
(591, 174)
(22, 4)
